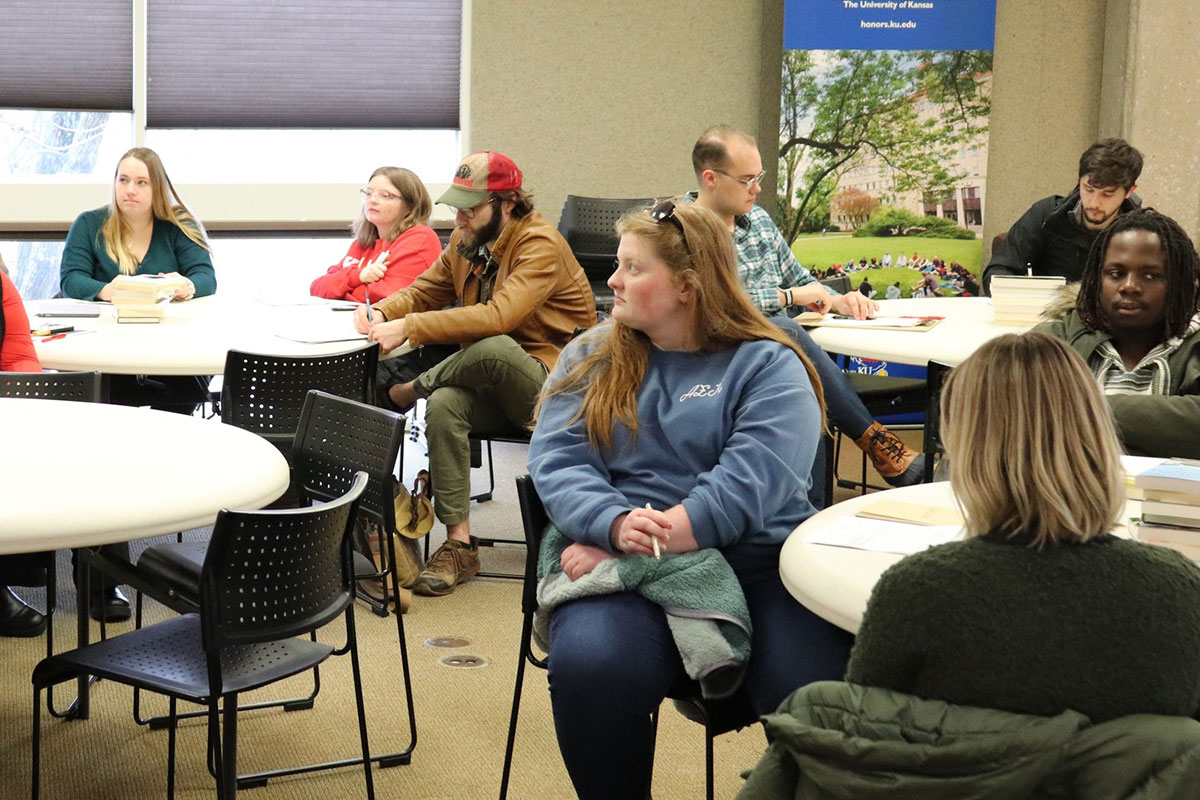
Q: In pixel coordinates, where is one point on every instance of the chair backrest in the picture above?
(336, 438)
(265, 393)
(589, 226)
(84, 387)
(534, 520)
(276, 574)
(936, 373)
(839, 284)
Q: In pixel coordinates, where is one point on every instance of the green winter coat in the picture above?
(841, 741)
(1149, 425)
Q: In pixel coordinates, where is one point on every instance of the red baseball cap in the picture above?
(479, 174)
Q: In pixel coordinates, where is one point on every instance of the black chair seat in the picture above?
(168, 658)
(884, 394)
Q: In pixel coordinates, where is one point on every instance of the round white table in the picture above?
(966, 324)
(86, 474)
(836, 582)
(193, 337)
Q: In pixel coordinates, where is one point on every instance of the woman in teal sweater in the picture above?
(1041, 609)
(145, 230)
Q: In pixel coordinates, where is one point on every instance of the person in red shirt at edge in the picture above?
(393, 242)
(16, 355)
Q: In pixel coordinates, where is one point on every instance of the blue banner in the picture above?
(889, 25)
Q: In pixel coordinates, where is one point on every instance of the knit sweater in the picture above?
(731, 435)
(1107, 628)
(86, 265)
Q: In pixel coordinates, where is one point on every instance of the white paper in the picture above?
(330, 326)
(882, 536)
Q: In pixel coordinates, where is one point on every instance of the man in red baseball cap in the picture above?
(509, 292)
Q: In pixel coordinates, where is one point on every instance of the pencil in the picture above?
(654, 541)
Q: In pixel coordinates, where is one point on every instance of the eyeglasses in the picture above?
(470, 213)
(755, 180)
(664, 211)
(371, 194)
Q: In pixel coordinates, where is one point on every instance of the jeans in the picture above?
(845, 409)
(490, 386)
(612, 661)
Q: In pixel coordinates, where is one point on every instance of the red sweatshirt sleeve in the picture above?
(340, 280)
(16, 351)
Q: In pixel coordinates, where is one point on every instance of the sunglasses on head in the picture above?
(664, 211)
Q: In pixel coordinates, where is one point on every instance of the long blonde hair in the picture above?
(1031, 442)
(417, 207)
(164, 203)
(721, 316)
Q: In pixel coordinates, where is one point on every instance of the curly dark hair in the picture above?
(1183, 271)
(1111, 162)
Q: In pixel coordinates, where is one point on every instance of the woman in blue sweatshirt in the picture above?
(692, 420)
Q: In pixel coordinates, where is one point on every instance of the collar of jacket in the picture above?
(509, 233)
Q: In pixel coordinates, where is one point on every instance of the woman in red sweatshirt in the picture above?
(393, 242)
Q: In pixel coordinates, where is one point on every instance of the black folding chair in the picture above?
(717, 717)
(234, 645)
(335, 440)
(589, 226)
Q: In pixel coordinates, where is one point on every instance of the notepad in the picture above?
(915, 513)
(882, 536)
(321, 329)
(49, 310)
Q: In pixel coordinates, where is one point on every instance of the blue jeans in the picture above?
(612, 661)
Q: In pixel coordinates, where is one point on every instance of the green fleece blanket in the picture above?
(706, 610)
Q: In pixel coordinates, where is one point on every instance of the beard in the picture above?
(471, 240)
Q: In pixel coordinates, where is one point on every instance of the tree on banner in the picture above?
(855, 103)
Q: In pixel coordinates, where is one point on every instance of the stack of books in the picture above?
(1170, 503)
(144, 298)
(1019, 300)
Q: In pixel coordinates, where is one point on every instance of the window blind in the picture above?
(303, 63)
(71, 54)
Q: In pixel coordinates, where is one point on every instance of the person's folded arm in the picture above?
(77, 268)
(1158, 425)
(570, 476)
(413, 252)
(194, 263)
(767, 459)
(340, 279)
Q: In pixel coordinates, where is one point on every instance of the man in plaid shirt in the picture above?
(729, 173)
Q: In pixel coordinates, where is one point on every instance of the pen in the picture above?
(55, 336)
(368, 291)
(654, 541)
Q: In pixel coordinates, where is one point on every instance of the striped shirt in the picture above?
(1151, 376)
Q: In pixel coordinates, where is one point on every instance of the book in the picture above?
(1171, 476)
(1182, 498)
(1169, 534)
(915, 513)
(155, 285)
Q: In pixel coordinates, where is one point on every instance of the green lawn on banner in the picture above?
(825, 251)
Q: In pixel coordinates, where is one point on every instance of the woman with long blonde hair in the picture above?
(688, 423)
(1041, 608)
(393, 242)
(145, 230)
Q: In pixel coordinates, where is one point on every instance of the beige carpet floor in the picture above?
(462, 713)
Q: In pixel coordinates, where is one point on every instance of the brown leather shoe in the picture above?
(453, 563)
(894, 462)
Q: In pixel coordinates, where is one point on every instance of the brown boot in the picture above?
(894, 462)
(453, 563)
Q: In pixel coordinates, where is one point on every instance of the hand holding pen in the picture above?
(638, 531)
(363, 318)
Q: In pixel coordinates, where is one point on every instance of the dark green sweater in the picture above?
(1107, 628)
(87, 267)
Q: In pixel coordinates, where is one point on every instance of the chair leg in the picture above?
(358, 699)
(228, 766)
(37, 742)
(483, 497)
(653, 747)
(526, 635)
(171, 754)
(708, 762)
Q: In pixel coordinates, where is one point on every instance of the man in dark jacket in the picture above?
(1053, 237)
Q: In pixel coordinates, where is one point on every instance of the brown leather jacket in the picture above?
(540, 296)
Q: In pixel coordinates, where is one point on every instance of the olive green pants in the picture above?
(490, 386)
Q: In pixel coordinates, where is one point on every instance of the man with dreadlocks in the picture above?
(1136, 322)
